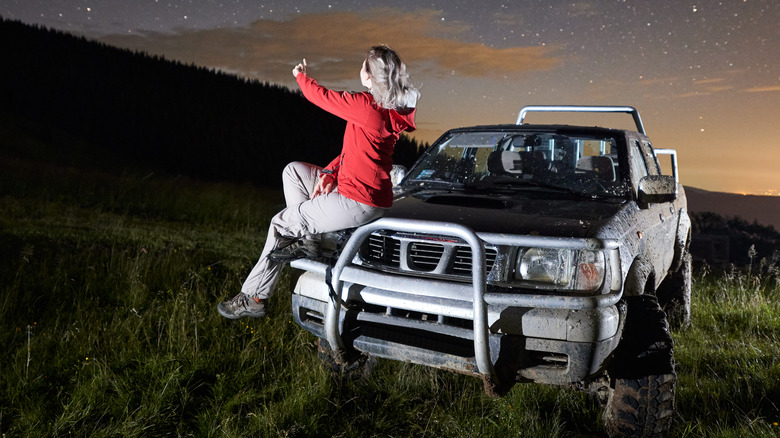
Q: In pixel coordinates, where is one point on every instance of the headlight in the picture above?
(545, 265)
(580, 270)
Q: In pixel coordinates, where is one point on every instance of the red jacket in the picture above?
(362, 170)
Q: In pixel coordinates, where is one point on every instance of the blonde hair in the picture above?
(390, 83)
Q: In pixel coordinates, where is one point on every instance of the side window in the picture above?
(650, 160)
(638, 164)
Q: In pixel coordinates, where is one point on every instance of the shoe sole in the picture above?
(241, 314)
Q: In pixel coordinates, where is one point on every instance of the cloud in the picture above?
(708, 81)
(712, 85)
(583, 9)
(504, 19)
(763, 89)
(676, 87)
(693, 94)
(334, 45)
(666, 81)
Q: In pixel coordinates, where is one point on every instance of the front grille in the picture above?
(382, 250)
(423, 254)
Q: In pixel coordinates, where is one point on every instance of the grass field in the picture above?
(108, 327)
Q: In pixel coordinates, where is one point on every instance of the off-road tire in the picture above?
(640, 397)
(674, 295)
(359, 367)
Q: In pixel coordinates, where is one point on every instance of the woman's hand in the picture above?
(325, 185)
(300, 68)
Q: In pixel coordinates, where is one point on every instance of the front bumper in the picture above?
(453, 325)
(555, 346)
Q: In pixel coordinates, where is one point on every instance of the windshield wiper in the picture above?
(509, 183)
(417, 183)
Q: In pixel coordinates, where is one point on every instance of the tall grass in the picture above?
(108, 288)
(728, 363)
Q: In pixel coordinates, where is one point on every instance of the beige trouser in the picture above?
(302, 218)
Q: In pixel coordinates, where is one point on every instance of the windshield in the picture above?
(578, 164)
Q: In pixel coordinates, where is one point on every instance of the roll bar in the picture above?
(583, 109)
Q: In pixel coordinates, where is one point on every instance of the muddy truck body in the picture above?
(520, 253)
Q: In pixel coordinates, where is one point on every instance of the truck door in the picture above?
(658, 223)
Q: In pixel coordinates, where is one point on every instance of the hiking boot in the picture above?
(296, 250)
(242, 305)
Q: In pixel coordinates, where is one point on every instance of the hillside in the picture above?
(764, 210)
(81, 103)
(734, 229)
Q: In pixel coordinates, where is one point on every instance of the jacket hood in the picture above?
(403, 120)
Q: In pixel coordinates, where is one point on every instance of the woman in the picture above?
(352, 190)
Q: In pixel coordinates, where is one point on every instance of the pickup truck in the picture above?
(520, 253)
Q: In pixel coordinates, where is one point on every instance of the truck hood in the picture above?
(535, 213)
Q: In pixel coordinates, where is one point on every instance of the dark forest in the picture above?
(98, 106)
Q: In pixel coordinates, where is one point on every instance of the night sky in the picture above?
(705, 75)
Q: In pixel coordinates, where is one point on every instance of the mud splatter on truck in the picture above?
(522, 253)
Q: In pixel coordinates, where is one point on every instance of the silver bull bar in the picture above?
(345, 271)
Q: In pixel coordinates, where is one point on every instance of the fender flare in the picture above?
(682, 239)
(638, 279)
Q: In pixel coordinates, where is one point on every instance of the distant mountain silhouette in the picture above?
(86, 103)
(728, 228)
(764, 210)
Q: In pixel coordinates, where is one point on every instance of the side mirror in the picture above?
(657, 188)
(397, 174)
